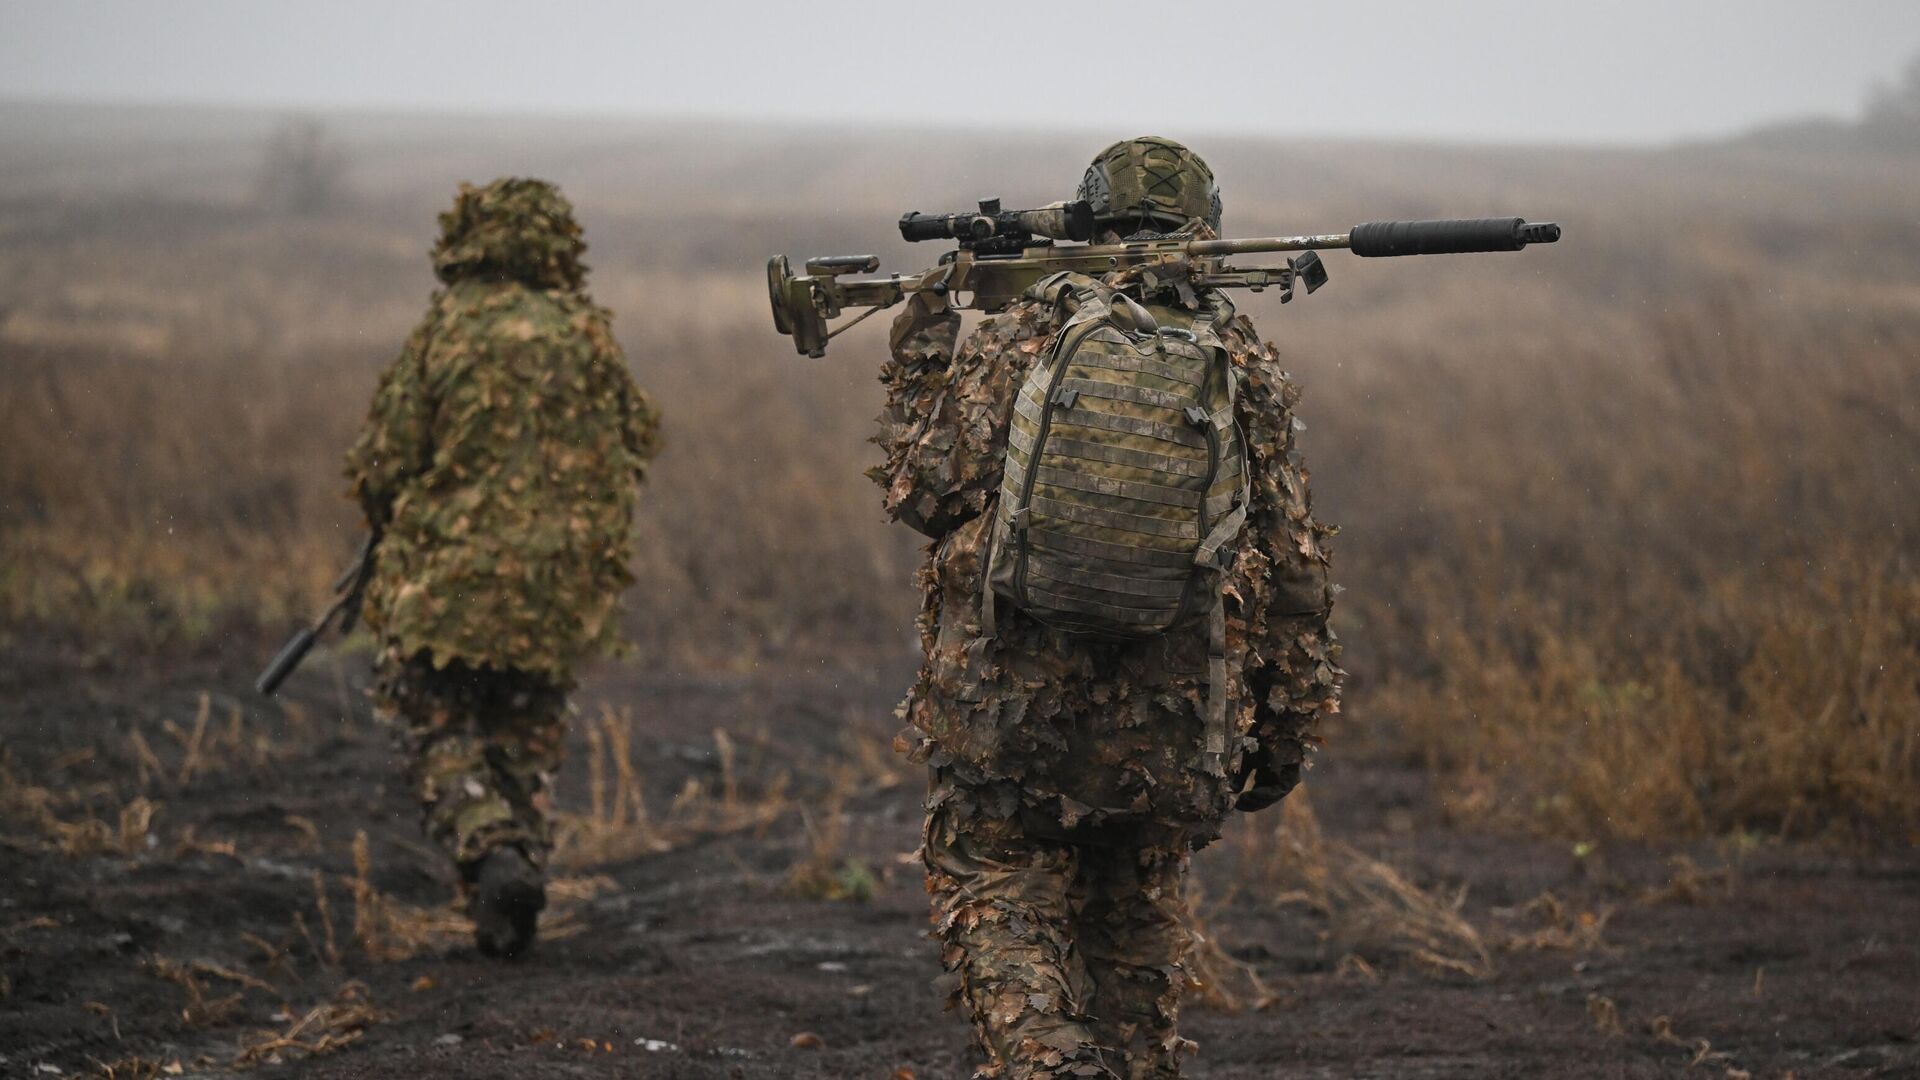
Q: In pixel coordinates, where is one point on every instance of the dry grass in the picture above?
(826, 871)
(1368, 913)
(1670, 592)
(203, 1008)
(387, 929)
(119, 817)
(616, 824)
(126, 829)
(323, 1029)
(1556, 926)
(1628, 524)
(136, 1068)
(1218, 979)
(1608, 1020)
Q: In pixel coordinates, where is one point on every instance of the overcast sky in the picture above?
(1506, 70)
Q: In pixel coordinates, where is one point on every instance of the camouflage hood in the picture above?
(512, 228)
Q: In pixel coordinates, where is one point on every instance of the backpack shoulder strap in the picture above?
(1217, 311)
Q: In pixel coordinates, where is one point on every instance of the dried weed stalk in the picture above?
(618, 825)
(1558, 927)
(323, 1029)
(1219, 980)
(200, 1009)
(130, 832)
(826, 871)
(1372, 912)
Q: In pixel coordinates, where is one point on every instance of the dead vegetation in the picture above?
(1556, 926)
(1627, 523)
(617, 823)
(204, 1007)
(1628, 541)
(322, 1029)
(1690, 607)
(1373, 913)
(385, 929)
(120, 816)
(1218, 979)
(1695, 1052)
(826, 871)
(1368, 914)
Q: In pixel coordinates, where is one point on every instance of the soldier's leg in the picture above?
(524, 723)
(1132, 928)
(1000, 910)
(434, 712)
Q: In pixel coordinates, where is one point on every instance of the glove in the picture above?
(1261, 782)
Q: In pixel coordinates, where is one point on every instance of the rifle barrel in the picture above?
(287, 659)
(346, 604)
(1255, 246)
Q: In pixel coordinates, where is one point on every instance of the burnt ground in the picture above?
(183, 941)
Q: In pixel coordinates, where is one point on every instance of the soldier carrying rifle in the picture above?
(1073, 771)
(1126, 603)
(498, 469)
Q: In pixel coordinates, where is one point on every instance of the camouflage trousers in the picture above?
(483, 746)
(1068, 946)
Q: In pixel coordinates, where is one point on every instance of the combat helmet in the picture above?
(1152, 181)
(512, 229)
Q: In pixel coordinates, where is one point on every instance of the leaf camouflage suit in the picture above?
(499, 467)
(1068, 779)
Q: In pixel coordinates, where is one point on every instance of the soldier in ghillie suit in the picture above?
(1071, 775)
(499, 468)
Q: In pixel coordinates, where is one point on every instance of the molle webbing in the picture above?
(1123, 466)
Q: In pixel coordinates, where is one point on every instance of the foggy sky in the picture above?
(1501, 70)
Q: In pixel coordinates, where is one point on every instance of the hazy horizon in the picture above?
(1491, 71)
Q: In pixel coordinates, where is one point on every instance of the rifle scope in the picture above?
(1062, 221)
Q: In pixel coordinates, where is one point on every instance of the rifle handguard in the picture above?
(1381, 239)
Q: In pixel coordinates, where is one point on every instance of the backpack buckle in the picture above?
(1197, 416)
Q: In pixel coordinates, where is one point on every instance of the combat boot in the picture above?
(508, 893)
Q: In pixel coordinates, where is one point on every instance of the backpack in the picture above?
(1126, 483)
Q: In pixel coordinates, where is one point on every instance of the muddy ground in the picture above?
(184, 942)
